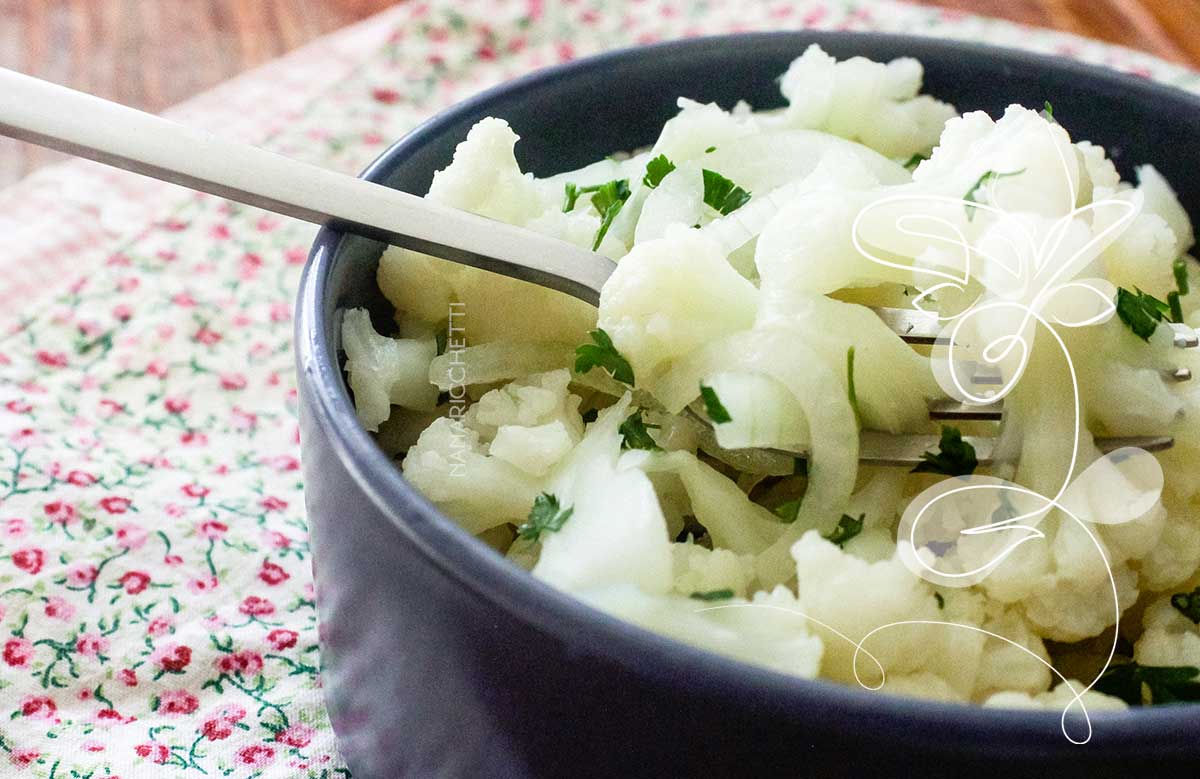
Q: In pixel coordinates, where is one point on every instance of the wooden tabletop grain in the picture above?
(155, 53)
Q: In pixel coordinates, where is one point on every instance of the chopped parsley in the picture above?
(1140, 311)
(914, 161)
(850, 383)
(710, 149)
(712, 405)
(721, 194)
(1181, 275)
(1048, 110)
(1188, 604)
(602, 353)
(656, 170)
(788, 511)
(941, 602)
(984, 180)
(607, 199)
(1175, 306)
(1137, 684)
(712, 595)
(545, 515)
(848, 527)
(955, 457)
(635, 433)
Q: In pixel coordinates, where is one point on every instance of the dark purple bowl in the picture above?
(441, 658)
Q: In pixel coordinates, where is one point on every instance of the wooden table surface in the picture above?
(155, 53)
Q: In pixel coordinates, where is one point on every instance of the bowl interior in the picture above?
(570, 116)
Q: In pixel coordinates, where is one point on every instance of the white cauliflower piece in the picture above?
(768, 631)
(484, 177)
(451, 467)
(874, 103)
(671, 295)
(534, 450)
(1170, 638)
(1057, 699)
(529, 402)
(843, 593)
(416, 284)
(697, 569)
(386, 370)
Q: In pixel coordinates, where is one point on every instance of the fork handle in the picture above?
(87, 126)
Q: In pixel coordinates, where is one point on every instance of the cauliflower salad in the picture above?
(687, 457)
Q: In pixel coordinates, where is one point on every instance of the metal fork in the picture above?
(87, 126)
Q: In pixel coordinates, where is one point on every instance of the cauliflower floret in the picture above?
(697, 127)
(616, 533)
(697, 569)
(386, 370)
(843, 593)
(451, 467)
(768, 631)
(871, 102)
(1057, 699)
(484, 177)
(534, 400)
(671, 295)
(416, 284)
(1170, 638)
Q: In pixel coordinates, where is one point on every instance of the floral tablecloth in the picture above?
(156, 602)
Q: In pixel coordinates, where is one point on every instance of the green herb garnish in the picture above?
(635, 433)
(710, 149)
(1181, 275)
(545, 515)
(712, 405)
(788, 511)
(955, 457)
(570, 195)
(914, 161)
(1175, 306)
(1049, 111)
(656, 170)
(608, 200)
(722, 194)
(984, 180)
(848, 527)
(1137, 684)
(1188, 604)
(712, 595)
(941, 602)
(1140, 311)
(602, 353)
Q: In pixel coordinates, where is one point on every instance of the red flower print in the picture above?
(212, 529)
(128, 677)
(81, 574)
(242, 662)
(159, 626)
(296, 255)
(80, 478)
(385, 95)
(157, 369)
(93, 746)
(172, 658)
(134, 582)
(220, 232)
(52, 359)
(282, 638)
(38, 707)
(233, 381)
(114, 505)
(195, 491)
(207, 336)
(273, 573)
(177, 702)
(91, 644)
(18, 652)
(131, 536)
(277, 540)
(59, 608)
(254, 606)
(18, 407)
(295, 736)
(29, 560)
(255, 755)
(193, 438)
(176, 405)
(155, 752)
(15, 528)
(23, 758)
(216, 729)
(112, 715)
(59, 511)
(172, 559)
(272, 503)
(202, 584)
(122, 312)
